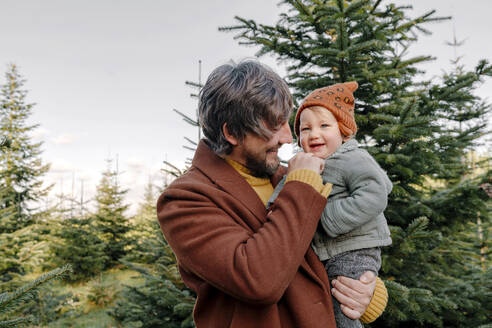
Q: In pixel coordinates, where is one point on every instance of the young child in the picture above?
(352, 227)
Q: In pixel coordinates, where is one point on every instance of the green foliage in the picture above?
(21, 172)
(21, 168)
(101, 294)
(21, 251)
(161, 300)
(438, 269)
(158, 302)
(10, 265)
(109, 219)
(143, 227)
(418, 130)
(9, 301)
(79, 245)
(49, 306)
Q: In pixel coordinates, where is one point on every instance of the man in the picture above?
(251, 267)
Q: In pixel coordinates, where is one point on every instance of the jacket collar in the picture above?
(225, 176)
(347, 146)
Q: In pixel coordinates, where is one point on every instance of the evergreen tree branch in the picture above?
(10, 300)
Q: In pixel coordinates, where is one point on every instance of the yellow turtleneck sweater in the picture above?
(264, 189)
(262, 186)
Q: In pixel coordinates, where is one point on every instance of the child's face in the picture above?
(319, 132)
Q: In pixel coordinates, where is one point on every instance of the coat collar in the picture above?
(225, 176)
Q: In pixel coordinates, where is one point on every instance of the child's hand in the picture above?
(354, 295)
(306, 161)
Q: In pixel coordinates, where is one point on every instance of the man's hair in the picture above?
(249, 97)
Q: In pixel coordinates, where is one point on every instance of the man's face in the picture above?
(260, 155)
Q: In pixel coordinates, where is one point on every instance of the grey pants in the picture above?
(351, 264)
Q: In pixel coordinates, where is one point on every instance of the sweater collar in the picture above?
(229, 179)
(246, 173)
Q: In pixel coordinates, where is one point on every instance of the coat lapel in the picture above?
(315, 269)
(225, 176)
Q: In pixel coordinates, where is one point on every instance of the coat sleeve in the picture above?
(368, 187)
(211, 240)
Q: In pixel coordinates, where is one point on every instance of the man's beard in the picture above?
(258, 164)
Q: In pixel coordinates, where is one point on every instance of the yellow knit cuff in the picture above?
(378, 303)
(311, 178)
(307, 176)
(325, 192)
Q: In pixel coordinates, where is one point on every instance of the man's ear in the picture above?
(229, 137)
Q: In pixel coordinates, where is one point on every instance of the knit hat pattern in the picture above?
(339, 100)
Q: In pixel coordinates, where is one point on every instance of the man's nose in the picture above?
(285, 135)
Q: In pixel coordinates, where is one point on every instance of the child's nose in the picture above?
(314, 133)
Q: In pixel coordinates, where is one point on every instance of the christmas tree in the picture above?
(21, 167)
(21, 185)
(11, 301)
(419, 131)
(161, 300)
(78, 244)
(110, 219)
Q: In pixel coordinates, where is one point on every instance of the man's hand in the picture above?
(354, 295)
(306, 161)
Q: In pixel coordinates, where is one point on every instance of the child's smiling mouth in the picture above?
(316, 146)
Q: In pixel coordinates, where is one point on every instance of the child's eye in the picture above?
(325, 125)
(304, 129)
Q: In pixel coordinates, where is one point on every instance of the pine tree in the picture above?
(147, 208)
(418, 130)
(10, 267)
(78, 244)
(11, 301)
(143, 226)
(161, 300)
(21, 171)
(21, 168)
(192, 143)
(110, 217)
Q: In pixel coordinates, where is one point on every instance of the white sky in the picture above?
(105, 75)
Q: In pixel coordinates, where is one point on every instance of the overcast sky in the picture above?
(106, 75)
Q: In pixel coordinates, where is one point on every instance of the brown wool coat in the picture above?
(248, 267)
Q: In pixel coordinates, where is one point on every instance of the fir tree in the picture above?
(147, 208)
(21, 172)
(10, 302)
(110, 217)
(143, 227)
(161, 300)
(21, 168)
(10, 266)
(78, 244)
(192, 143)
(418, 130)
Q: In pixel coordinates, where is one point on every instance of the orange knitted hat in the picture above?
(339, 100)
